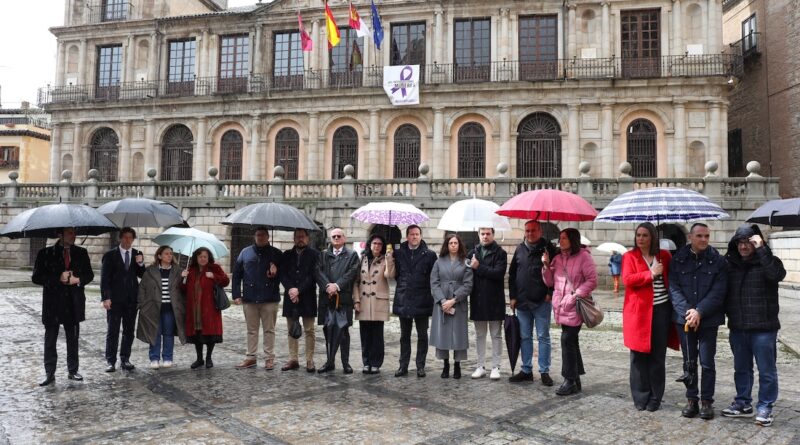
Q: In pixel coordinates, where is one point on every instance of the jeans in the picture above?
(539, 318)
(701, 345)
(165, 334)
(571, 360)
(422, 340)
(120, 313)
(762, 345)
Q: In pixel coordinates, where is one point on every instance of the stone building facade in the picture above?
(179, 86)
(764, 118)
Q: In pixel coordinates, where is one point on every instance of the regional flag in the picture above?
(330, 26)
(357, 23)
(305, 39)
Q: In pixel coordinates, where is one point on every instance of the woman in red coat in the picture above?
(203, 320)
(646, 316)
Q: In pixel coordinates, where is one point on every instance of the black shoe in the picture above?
(327, 367)
(402, 371)
(209, 363)
(706, 410)
(347, 369)
(521, 377)
(75, 376)
(457, 370)
(367, 370)
(546, 379)
(110, 367)
(639, 407)
(49, 380)
(197, 363)
(653, 406)
(567, 388)
(691, 409)
(420, 372)
(126, 365)
(446, 370)
(578, 383)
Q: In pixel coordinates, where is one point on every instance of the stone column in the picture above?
(679, 157)
(82, 64)
(572, 44)
(258, 57)
(677, 29)
(504, 37)
(152, 64)
(505, 134)
(149, 149)
(723, 139)
(78, 167)
(55, 153)
(373, 163)
(439, 158)
(438, 39)
(714, 149)
(607, 140)
(130, 53)
(605, 44)
(125, 152)
(322, 49)
(313, 161)
(60, 63)
(317, 46)
(714, 24)
(205, 68)
(256, 168)
(251, 44)
(201, 161)
(570, 170)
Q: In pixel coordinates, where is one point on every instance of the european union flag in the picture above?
(377, 28)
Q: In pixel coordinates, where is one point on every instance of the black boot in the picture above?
(457, 370)
(578, 383)
(446, 369)
(198, 348)
(691, 409)
(210, 350)
(567, 388)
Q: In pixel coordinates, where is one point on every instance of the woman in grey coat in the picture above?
(451, 283)
(162, 308)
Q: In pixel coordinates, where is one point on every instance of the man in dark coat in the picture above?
(336, 274)
(120, 271)
(487, 302)
(697, 283)
(530, 297)
(751, 304)
(256, 286)
(297, 274)
(63, 270)
(413, 301)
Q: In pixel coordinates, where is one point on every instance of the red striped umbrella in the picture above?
(548, 205)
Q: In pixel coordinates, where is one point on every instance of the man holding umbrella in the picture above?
(63, 270)
(698, 277)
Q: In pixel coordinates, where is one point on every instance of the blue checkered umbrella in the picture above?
(661, 205)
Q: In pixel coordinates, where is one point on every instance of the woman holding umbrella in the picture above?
(646, 315)
(203, 319)
(371, 297)
(451, 283)
(572, 275)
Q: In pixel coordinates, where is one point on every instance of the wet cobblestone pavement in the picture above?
(224, 405)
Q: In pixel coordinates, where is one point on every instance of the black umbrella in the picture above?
(513, 339)
(779, 212)
(142, 212)
(689, 377)
(47, 221)
(335, 322)
(271, 215)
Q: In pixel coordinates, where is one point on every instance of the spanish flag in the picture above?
(330, 25)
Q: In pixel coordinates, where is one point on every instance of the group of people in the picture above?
(676, 302)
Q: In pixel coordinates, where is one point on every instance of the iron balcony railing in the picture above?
(372, 77)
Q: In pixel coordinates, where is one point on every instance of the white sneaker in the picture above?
(495, 375)
(154, 364)
(479, 372)
(166, 364)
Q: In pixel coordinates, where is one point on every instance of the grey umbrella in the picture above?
(778, 212)
(47, 221)
(142, 212)
(271, 215)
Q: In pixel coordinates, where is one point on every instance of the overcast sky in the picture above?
(28, 50)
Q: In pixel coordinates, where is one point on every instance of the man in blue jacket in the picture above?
(697, 284)
(255, 285)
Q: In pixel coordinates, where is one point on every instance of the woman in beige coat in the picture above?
(371, 297)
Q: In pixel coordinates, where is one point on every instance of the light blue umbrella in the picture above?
(186, 241)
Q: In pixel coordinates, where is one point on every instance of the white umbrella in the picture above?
(389, 213)
(186, 241)
(469, 215)
(612, 247)
(667, 244)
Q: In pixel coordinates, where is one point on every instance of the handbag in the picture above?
(295, 331)
(221, 301)
(587, 307)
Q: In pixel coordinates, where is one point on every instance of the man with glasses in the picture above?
(530, 297)
(336, 273)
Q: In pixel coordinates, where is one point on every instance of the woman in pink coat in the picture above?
(572, 274)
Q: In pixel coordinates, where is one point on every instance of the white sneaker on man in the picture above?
(479, 372)
(154, 364)
(166, 364)
(495, 375)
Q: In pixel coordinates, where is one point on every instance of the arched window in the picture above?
(641, 136)
(230, 156)
(471, 151)
(103, 154)
(176, 154)
(287, 151)
(406, 152)
(539, 147)
(345, 151)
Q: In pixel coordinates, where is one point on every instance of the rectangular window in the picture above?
(114, 10)
(749, 42)
(408, 46)
(234, 63)
(346, 60)
(180, 76)
(538, 47)
(472, 50)
(287, 66)
(109, 70)
(641, 43)
(9, 157)
(735, 153)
